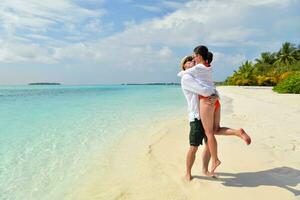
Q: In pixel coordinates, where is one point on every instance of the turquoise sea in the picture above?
(48, 133)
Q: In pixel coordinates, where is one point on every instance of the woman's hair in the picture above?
(210, 57)
(203, 51)
(185, 60)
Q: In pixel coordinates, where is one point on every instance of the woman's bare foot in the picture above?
(213, 175)
(209, 174)
(206, 172)
(188, 177)
(214, 165)
(245, 136)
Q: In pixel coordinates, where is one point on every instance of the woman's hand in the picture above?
(212, 99)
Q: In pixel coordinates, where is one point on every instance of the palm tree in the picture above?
(266, 57)
(287, 54)
(246, 69)
(298, 52)
(244, 73)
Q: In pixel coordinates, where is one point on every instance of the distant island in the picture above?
(44, 83)
(150, 83)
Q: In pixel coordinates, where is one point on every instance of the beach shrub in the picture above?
(291, 84)
(265, 80)
(284, 75)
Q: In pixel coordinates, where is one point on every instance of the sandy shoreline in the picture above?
(151, 165)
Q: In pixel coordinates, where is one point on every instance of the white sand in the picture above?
(151, 165)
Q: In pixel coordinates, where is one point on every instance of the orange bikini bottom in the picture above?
(217, 103)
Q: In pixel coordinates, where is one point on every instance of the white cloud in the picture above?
(225, 64)
(149, 45)
(212, 21)
(14, 53)
(94, 26)
(268, 2)
(172, 4)
(142, 57)
(41, 16)
(231, 36)
(230, 60)
(38, 37)
(79, 51)
(161, 6)
(42, 26)
(149, 8)
(166, 52)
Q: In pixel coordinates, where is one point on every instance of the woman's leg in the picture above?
(228, 131)
(207, 118)
(222, 130)
(205, 160)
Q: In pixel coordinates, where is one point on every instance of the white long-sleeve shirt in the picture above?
(191, 89)
(202, 74)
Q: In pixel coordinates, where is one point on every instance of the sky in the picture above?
(85, 42)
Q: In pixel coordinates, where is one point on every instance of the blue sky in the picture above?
(126, 41)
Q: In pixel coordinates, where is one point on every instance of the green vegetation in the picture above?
(291, 84)
(280, 69)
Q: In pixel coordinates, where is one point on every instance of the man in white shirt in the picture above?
(191, 89)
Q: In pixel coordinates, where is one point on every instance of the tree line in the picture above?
(280, 69)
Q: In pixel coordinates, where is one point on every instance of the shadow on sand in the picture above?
(283, 177)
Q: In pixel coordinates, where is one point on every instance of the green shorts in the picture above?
(197, 133)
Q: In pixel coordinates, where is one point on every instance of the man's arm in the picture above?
(190, 84)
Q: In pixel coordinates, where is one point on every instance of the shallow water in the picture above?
(48, 133)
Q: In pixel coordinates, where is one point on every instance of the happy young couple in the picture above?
(204, 111)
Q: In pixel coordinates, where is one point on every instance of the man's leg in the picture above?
(190, 158)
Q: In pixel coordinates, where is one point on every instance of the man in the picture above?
(191, 89)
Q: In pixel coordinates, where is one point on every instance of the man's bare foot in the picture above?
(214, 165)
(245, 136)
(188, 177)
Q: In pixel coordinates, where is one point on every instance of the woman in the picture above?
(209, 113)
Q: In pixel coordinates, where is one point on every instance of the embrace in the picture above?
(204, 111)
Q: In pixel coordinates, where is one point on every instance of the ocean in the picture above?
(50, 134)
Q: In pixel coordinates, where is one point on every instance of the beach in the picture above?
(150, 162)
(99, 100)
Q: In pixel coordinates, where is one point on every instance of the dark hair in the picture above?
(210, 57)
(203, 51)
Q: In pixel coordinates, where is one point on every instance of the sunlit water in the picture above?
(48, 133)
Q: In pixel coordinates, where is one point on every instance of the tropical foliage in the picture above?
(271, 69)
(291, 84)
